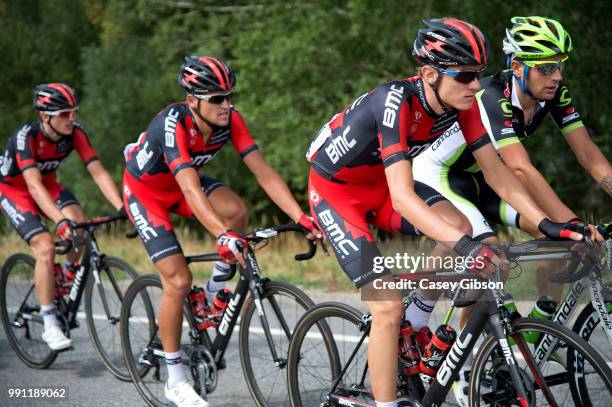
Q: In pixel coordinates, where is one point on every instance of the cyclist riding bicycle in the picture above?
(360, 175)
(28, 188)
(161, 177)
(513, 103)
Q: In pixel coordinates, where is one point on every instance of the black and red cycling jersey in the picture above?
(173, 142)
(393, 122)
(31, 147)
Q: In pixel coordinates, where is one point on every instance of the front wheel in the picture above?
(542, 367)
(103, 297)
(20, 311)
(282, 305)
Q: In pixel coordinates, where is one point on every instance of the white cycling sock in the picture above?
(419, 311)
(49, 317)
(386, 403)
(176, 372)
(213, 287)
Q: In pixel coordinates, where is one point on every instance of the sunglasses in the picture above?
(216, 99)
(463, 77)
(546, 67)
(63, 114)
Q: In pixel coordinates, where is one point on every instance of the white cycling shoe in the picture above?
(183, 395)
(55, 338)
(461, 388)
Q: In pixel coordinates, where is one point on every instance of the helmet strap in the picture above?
(197, 112)
(523, 82)
(52, 128)
(444, 106)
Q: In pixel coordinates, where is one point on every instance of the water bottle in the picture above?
(544, 309)
(70, 273)
(60, 291)
(511, 306)
(220, 305)
(437, 349)
(423, 337)
(408, 352)
(199, 306)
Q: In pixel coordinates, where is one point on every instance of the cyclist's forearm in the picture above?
(44, 201)
(204, 212)
(278, 191)
(544, 196)
(108, 188)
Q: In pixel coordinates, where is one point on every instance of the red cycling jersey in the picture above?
(31, 147)
(173, 142)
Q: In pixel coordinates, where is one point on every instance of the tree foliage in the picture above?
(298, 63)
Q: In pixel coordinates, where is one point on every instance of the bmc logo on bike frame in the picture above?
(229, 313)
(452, 360)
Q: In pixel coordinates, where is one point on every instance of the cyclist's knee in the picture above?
(238, 214)
(387, 314)
(178, 285)
(43, 248)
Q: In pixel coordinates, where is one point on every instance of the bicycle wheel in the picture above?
(323, 341)
(20, 310)
(282, 305)
(587, 327)
(142, 347)
(103, 298)
(491, 384)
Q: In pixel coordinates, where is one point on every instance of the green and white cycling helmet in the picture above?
(536, 38)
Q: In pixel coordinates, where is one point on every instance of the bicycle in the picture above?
(263, 341)
(327, 363)
(20, 308)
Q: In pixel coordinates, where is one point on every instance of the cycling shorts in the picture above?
(22, 212)
(469, 193)
(149, 210)
(343, 212)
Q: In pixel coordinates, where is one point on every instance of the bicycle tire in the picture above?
(521, 325)
(586, 323)
(317, 315)
(109, 350)
(137, 371)
(273, 293)
(29, 347)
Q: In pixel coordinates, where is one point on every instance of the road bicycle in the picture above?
(327, 362)
(264, 312)
(100, 282)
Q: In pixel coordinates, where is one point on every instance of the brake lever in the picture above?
(75, 237)
(324, 247)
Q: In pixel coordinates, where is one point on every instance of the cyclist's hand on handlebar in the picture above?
(309, 224)
(232, 247)
(63, 229)
(480, 259)
(572, 230)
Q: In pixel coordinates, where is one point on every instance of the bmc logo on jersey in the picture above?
(21, 137)
(5, 164)
(200, 160)
(48, 165)
(392, 102)
(339, 146)
(170, 127)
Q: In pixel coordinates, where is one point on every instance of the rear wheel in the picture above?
(20, 311)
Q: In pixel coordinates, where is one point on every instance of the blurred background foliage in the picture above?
(298, 63)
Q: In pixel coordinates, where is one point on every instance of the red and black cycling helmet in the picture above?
(450, 42)
(53, 97)
(204, 74)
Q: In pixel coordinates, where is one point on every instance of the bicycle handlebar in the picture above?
(66, 245)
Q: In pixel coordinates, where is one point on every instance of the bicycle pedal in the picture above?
(221, 364)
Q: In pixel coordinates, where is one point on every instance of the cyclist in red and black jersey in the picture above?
(162, 177)
(361, 174)
(28, 188)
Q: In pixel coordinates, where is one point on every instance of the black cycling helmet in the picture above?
(450, 42)
(204, 74)
(52, 97)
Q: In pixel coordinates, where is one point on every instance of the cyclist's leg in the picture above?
(148, 210)
(22, 212)
(340, 212)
